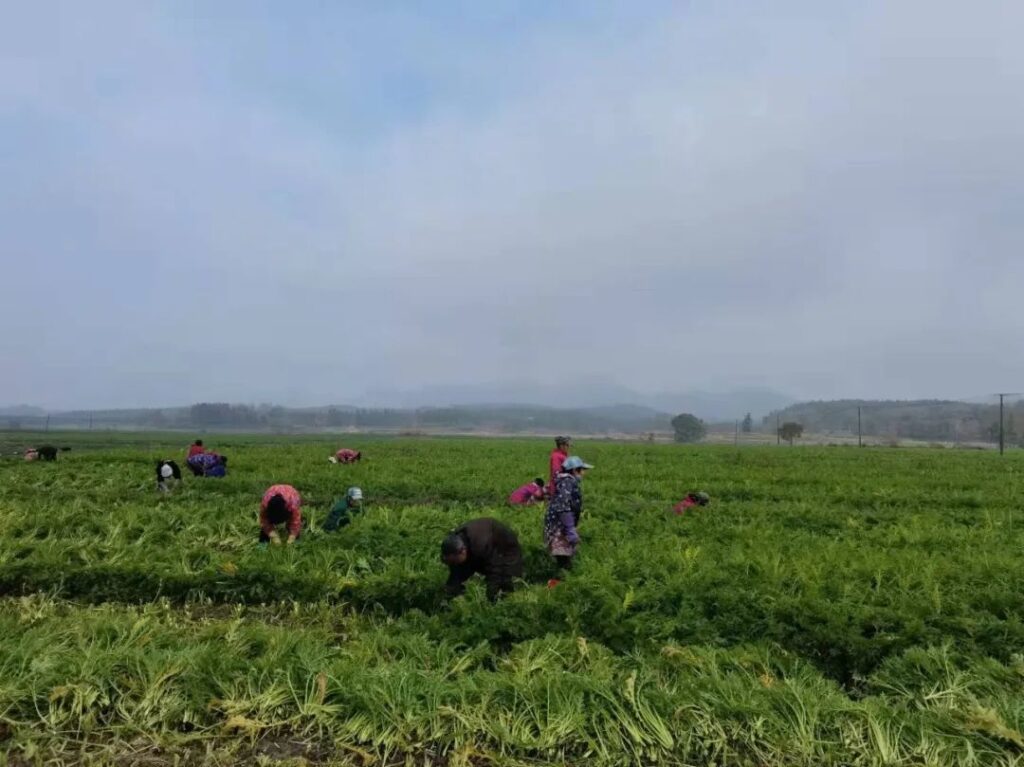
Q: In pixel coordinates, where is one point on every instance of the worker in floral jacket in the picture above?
(564, 511)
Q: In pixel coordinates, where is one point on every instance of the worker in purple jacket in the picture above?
(564, 510)
(208, 465)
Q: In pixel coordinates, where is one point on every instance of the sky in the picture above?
(308, 202)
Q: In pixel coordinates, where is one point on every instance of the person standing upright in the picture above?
(564, 511)
(555, 461)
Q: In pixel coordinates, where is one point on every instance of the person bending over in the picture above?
(483, 546)
(281, 506)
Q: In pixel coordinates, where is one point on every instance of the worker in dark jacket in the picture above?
(482, 546)
(168, 474)
(342, 511)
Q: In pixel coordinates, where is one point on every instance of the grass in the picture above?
(833, 606)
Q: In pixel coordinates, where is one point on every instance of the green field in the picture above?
(833, 606)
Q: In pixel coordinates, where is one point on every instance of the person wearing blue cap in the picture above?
(564, 511)
(341, 513)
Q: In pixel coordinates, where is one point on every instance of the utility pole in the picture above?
(860, 432)
(1002, 439)
(47, 422)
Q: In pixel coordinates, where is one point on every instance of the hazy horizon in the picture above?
(306, 203)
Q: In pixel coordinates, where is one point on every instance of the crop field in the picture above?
(832, 606)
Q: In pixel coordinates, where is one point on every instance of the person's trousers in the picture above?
(501, 574)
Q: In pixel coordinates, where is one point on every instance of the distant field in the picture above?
(832, 606)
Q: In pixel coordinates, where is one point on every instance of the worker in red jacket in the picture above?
(691, 500)
(281, 505)
(347, 456)
(557, 458)
(196, 448)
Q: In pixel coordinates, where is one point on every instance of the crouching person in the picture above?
(483, 546)
(208, 465)
(528, 494)
(691, 500)
(281, 505)
(341, 513)
(168, 474)
(346, 455)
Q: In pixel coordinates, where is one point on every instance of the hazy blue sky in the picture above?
(305, 201)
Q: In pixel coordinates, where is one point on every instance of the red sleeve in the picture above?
(295, 509)
(295, 523)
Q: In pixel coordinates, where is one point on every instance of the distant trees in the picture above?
(926, 420)
(688, 428)
(790, 431)
(748, 424)
(224, 415)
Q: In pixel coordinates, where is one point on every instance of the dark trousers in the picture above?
(500, 574)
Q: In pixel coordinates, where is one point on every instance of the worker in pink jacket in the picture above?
(345, 455)
(281, 505)
(528, 494)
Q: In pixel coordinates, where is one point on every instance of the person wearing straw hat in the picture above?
(342, 511)
(564, 511)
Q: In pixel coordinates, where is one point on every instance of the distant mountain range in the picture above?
(19, 411)
(583, 395)
(584, 407)
(711, 406)
(574, 411)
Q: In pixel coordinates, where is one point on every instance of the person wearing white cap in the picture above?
(564, 511)
(341, 514)
(167, 475)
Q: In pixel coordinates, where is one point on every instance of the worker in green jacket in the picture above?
(342, 511)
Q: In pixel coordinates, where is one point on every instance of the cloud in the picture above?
(259, 205)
